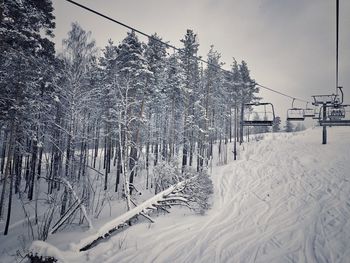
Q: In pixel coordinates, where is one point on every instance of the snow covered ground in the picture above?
(286, 200)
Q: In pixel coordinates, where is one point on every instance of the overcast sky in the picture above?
(289, 45)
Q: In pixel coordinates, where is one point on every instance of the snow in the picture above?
(56, 99)
(44, 249)
(285, 200)
(122, 220)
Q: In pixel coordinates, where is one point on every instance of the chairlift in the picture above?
(336, 112)
(316, 114)
(260, 117)
(308, 112)
(295, 114)
(335, 115)
(324, 99)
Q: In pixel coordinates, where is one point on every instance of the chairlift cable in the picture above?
(278, 92)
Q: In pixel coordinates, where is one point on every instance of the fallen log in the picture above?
(42, 252)
(120, 222)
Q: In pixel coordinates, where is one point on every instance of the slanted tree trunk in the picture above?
(64, 201)
(68, 151)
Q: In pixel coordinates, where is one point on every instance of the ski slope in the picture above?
(286, 200)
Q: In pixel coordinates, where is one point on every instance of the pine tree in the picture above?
(109, 99)
(26, 55)
(191, 86)
(276, 124)
(216, 99)
(300, 127)
(133, 73)
(289, 126)
(174, 90)
(248, 88)
(157, 97)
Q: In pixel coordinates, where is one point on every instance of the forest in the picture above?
(88, 124)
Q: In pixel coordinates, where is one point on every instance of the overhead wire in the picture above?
(337, 48)
(281, 93)
(173, 47)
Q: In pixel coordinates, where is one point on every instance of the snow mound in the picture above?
(46, 250)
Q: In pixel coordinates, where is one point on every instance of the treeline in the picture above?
(82, 111)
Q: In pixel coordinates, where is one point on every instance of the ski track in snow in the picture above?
(287, 200)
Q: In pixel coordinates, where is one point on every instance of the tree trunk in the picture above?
(32, 170)
(10, 148)
(119, 168)
(3, 153)
(97, 138)
(18, 170)
(132, 163)
(40, 159)
(241, 124)
(191, 149)
(156, 154)
(147, 163)
(64, 201)
(68, 152)
(9, 206)
(184, 154)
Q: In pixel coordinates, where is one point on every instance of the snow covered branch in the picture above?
(164, 198)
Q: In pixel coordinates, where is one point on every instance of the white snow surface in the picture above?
(286, 200)
(122, 220)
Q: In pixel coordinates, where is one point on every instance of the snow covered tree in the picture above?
(232, 82)
(175, 96)
(109, 112)
(248, 89)
(66, 117)
(300, 127)
(259, 129)
(26, 55)
(76, 96)
(157, 99)
(276, 124)
(289, 126)
(217, 89)
(197, 191)
(191, 86)
(133, 73)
